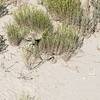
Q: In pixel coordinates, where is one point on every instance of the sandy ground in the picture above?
(78, 79)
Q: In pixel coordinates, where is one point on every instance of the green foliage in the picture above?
(27, 19)
(96, 5)
(32, 18)
(88, 25)
(3, 9)
(63, 41)
(15, 33)
(64, 9)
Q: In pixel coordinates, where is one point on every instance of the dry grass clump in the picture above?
(27, 19)
(96, 5)
(62, 41)
(32, 18)
(69, 10)
(88, 25)
(15, 33)
(28, 53)
(3, 9)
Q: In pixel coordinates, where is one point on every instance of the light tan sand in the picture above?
(78, 79)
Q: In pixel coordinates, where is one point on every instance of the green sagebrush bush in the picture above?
(15, 33)
(32, 18)
(88, 24)
(69, 10)
(27, 19)
(62, 41)
(96, 5)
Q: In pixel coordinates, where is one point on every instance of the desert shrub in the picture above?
(34, 19)
(96, 5)
(64, 9)
(96, 14)
(63, 41)
(15, 33)
(98, 9)
(3, 9)
(88, 25)
(85, 25)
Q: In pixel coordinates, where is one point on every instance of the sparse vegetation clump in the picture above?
(27, 19)
(62, 41)
(96, 5)
(89, 24)
(69, 10)
(15, 33)
(3, 9)
(32, 18)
